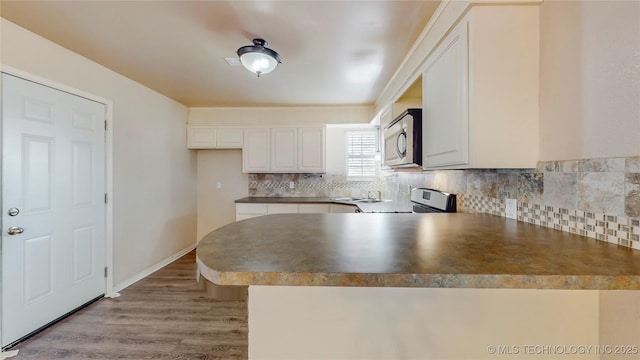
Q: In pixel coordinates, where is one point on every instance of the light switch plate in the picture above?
(511, 208)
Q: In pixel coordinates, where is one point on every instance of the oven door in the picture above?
(395, 144)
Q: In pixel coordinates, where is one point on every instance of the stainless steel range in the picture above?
(432, 201)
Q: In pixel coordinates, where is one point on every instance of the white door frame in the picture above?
(108, 159)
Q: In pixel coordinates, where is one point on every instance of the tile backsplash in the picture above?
(598, 198)
(315, 185)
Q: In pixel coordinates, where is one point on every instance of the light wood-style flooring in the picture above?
(167, 315)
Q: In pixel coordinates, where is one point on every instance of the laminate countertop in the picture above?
(459, 250)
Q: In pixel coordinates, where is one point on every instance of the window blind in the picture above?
(361, 155)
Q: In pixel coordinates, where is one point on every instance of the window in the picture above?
(361, 155)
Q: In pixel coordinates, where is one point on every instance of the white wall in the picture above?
(590, 79)
(154, 175)
(216, 207)
(279, 116)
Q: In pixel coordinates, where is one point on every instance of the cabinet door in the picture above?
(201, 137)
(229, 138)
(255, 153)
(247, 211)
(283, 150)
(445, 138)
(311, 150)
(313, 208)
(282, 208)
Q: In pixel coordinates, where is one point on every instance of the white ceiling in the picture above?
(333, 52)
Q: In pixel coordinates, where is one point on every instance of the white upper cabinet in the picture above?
(213, 137)
(229, 138)
(480, 91)
(311, 150)
(201, 137)
(284, 149)
(256, 151)
(444, 92)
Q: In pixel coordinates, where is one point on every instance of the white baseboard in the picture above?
(150, 270)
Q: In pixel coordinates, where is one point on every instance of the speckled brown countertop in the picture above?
(411, 250)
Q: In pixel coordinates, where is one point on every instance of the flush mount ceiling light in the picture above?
(257, 58)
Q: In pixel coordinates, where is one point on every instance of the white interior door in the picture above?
(53, 186)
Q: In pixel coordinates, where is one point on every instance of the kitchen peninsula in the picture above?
(442, 286)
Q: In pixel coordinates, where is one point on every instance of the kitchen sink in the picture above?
(369, 200)
(360, 200)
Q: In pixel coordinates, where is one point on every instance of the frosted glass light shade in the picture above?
(257, 58)
(258, 63)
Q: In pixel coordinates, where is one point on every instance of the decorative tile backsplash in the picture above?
(621, 230)
(598, 198)
(314, 185)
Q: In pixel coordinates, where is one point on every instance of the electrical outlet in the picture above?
(511, 208)
(292, 185)
(219, 185)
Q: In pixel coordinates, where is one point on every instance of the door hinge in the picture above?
(105, 271)
(106, 198)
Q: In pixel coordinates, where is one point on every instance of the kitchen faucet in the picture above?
(371, 197)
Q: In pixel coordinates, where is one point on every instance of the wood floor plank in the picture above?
(167, 315)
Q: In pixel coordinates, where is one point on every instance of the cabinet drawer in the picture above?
(282, 208)
(313, 208)
(251, 209)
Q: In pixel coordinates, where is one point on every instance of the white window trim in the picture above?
(371, 156)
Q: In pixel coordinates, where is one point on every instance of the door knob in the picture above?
(14, 230)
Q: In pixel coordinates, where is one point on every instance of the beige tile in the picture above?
(560, 190)
(632, 194)
(601, 192)
(568, 166)
(633, 164)
(602, 165)
(548, 166)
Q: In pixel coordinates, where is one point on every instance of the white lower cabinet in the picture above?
(282, 209)
(341, 208)
(247, 211)
(313, 208)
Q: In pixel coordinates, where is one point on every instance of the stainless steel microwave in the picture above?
(403, 140)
